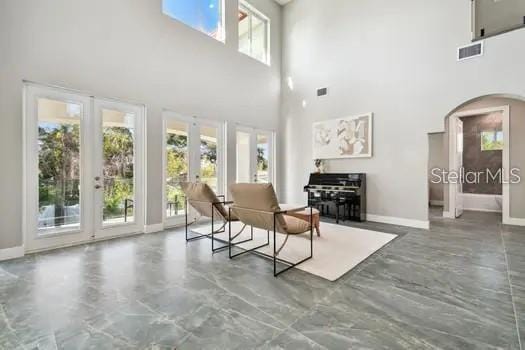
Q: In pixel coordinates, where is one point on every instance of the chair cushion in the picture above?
(201, 197)
(255, 196)
(254, 205)
(232, 217)
(296, 226)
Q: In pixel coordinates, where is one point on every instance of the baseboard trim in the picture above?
(437, 203)
(514, 222)
(448, 215)
(482, 210)
(399, 221)
(11, 253)
(153, 228)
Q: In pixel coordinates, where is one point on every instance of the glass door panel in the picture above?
(118, 150)
(194, 153)
(254, 155)
(119, 158)
(57, 197)
(59, 170)
(263, 159)
(208, 157)
(244, 153)
(177, 166)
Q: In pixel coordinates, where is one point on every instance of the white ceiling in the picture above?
(282, 2)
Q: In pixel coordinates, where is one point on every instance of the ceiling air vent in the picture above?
(470, 51)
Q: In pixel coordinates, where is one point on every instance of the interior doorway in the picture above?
(496, 123)
(483, 183)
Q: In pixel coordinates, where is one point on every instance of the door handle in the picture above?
(98, 187)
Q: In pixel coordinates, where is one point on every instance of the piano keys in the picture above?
(342, 196)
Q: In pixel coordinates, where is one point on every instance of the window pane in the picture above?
(259, 39)
(492, 140)
(177, 166)
(118, 131)
(263, 159)
(59, 164)
(243, 157)
(253, 33)
(203, 15)
(244, 32)
(208, 157)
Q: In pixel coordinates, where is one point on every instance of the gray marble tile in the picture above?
(44, 343)
(290, 339)
(219, 329)
(514, 238)
(446, 288)
(519, 302)
(478, 289)
(377, 314)
(10, 341)
(517, 269)
(295, 293)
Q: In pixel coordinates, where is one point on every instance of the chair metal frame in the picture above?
(211, 235)
(275, 251)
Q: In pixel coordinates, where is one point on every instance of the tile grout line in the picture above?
(511, 289)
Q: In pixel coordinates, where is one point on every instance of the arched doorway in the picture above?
(480, 155)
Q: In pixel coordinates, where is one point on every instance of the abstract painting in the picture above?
(349, 137)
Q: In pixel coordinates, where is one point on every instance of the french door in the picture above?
(255, 156)
(84, 161)
(194, 152)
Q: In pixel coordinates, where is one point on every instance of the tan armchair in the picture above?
(256, 205)
(207, 204)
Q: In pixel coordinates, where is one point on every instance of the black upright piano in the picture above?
(342, 196)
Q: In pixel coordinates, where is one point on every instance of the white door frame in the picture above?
(62, 237)
(253, 132)
(139, 164)
(33, 241)
(505, 110)
(193, 156)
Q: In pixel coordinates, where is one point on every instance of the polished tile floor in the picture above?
(460, 285)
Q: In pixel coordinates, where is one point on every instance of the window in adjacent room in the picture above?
(203, 15)
(254, 33)
(492, 140)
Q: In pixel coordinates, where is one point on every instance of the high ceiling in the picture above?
(282, 2)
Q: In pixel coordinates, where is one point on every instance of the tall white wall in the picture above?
(127, 49)
(398, 60)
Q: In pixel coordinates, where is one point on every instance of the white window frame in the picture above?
(252, 11)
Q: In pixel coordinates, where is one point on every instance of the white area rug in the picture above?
(337, 251)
